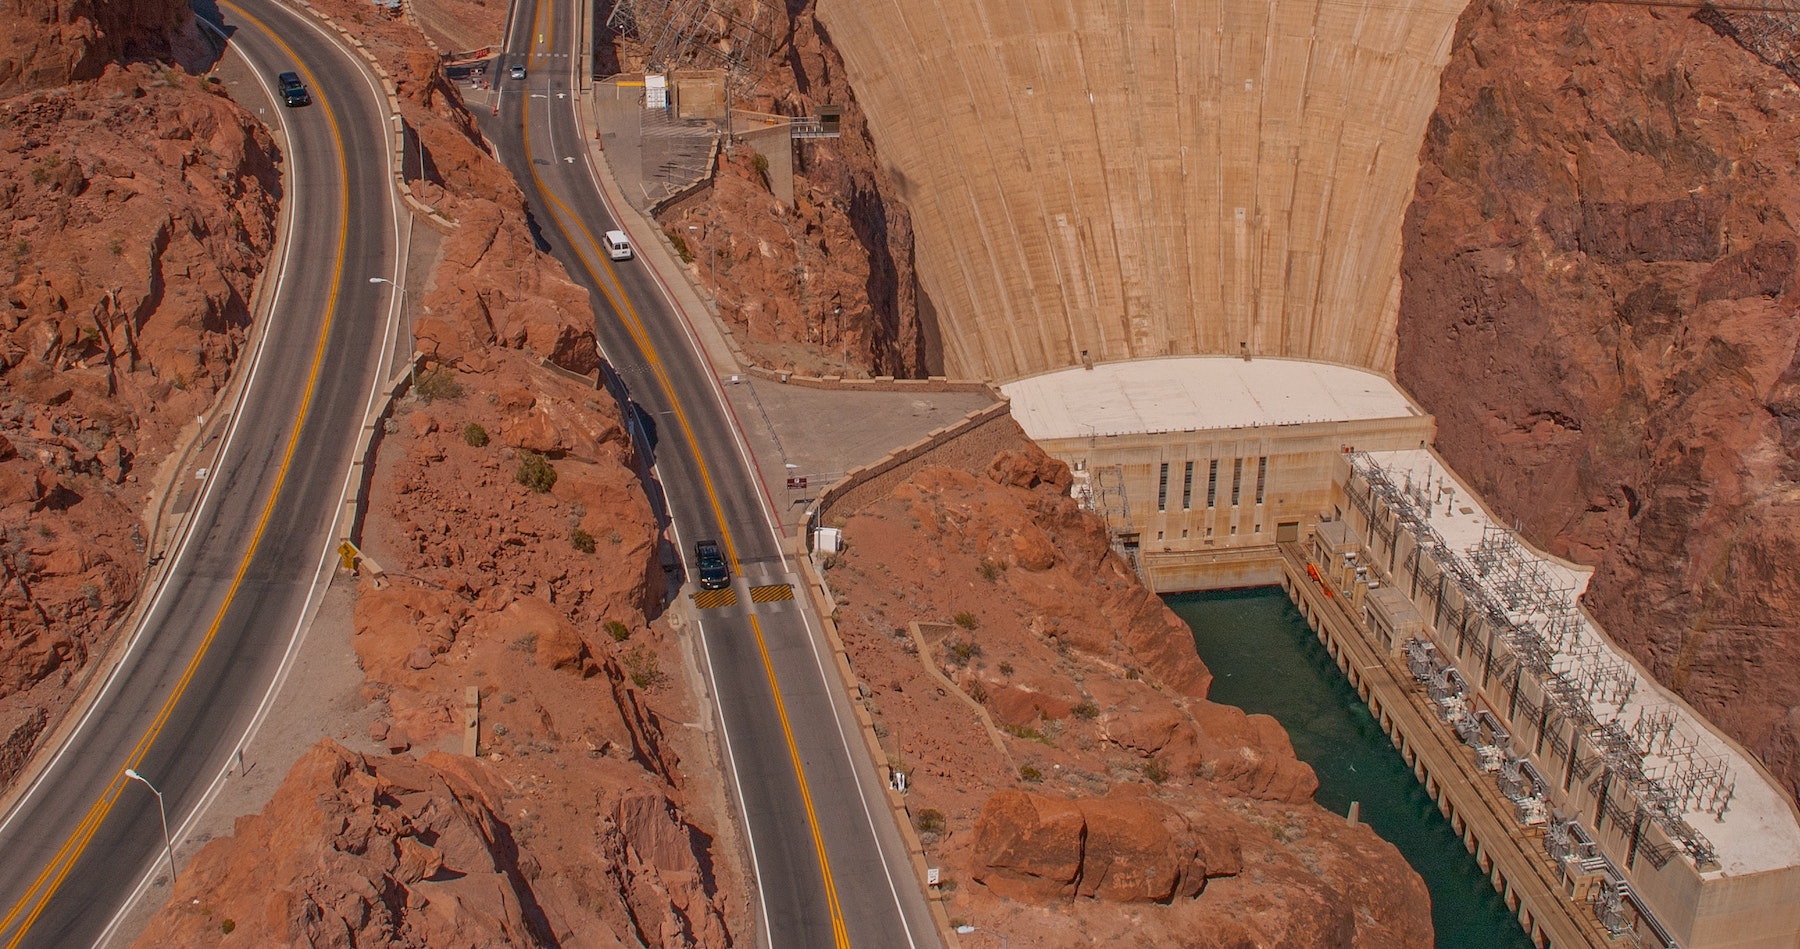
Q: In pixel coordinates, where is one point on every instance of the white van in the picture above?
(618, 246)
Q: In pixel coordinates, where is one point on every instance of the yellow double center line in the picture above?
(31, 904)
(565, 218)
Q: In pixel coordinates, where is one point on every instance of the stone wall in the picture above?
(969, 444)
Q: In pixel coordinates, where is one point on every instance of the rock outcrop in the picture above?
(577, 821)
(361, 851)
(1122, 848)
(47, 45)
(1598, 306)
(825, 285)
(1065, 767)
(137, 208)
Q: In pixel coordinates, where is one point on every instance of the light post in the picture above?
(412, 361)
(162, 811)
(712, 284)
(837, 313)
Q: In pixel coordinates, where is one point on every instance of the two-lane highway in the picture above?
(825, 852)
(78, 843)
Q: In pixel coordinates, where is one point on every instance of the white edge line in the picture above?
(298, 637)
(852, 756)
(768, 935)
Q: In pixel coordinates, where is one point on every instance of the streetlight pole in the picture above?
(163, 811)
(712, 283)
(412, 361)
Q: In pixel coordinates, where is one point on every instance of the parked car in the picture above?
(715, 573)
(293, 91)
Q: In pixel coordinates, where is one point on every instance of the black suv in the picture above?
(293, 91)
(714, 574)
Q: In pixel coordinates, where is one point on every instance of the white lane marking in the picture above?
(855, 773)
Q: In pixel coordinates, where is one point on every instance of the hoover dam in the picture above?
(1116, 207)
(1139, 179)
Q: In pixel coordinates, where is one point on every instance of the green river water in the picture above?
(1265, 659)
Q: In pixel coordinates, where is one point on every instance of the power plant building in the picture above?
(1607, 811)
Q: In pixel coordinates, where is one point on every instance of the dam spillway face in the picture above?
(1092, 181)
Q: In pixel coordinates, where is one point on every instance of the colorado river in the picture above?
(1265, 659)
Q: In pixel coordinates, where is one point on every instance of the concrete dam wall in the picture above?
(1128, 179)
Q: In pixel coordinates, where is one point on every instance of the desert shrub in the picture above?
(1029, 733)
(582, 540)
(641, 665)
(967, 620)
(434, 384)
(929, 821)
(991, 569)
(475, 436)
(617, 630)
(1087, 711)
(1156, 771)
(535, 472)
(1030, 774)
(963, 650)
(1006, 668)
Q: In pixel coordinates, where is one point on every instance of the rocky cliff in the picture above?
(1066, 770)
(828, 282)
(49, 45)
(137, 207)
(1598, 306)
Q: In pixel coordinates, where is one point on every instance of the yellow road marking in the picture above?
(51, 877)
(634, 325)
(539, 21)
(773, 593)
(839, 934)
(713, 599)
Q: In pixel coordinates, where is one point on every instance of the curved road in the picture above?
(82, 838)
(830, 867)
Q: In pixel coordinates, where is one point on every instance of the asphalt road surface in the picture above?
(83, 838)
(827, 858)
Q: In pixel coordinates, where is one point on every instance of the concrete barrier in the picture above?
(969, 443)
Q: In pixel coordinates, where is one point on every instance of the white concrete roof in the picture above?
(1760, 830)
(1187, 393)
